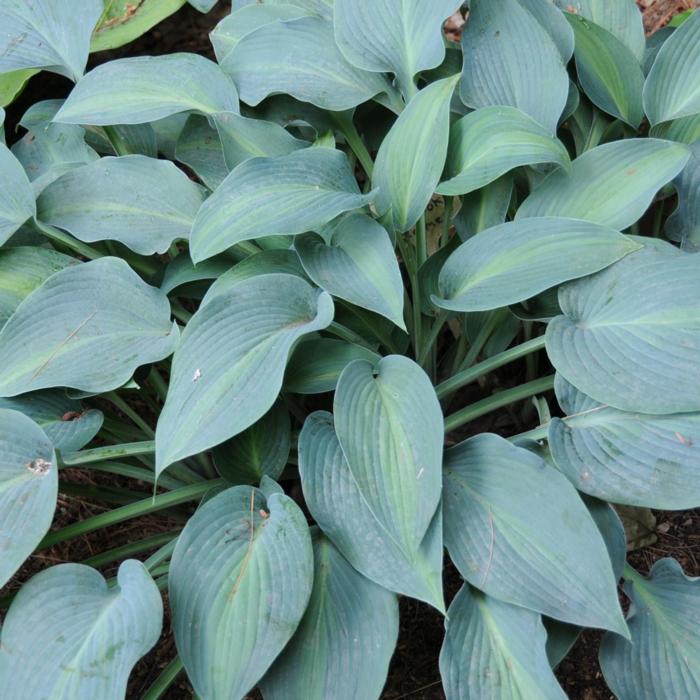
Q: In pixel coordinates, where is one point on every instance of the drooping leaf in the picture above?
(662, 658)
(337, 505)
(491, 141)
(608, 71)
(262, 449)
(411, 157)
(312, 69)
(344, 642)
(516, 260)
(254, 561)
(495, 650)
(267, 196)
(672, 88)
(357, 264)
(612, 184)
(199, 147)
(510, 59)
(637, 357)
(46, 34)
(90, 635)
(182, 271)
(484, 208)
(16, 195)
(684, 224)
(517, 530)
(146, 88)
(28, 490)
(89, 327)
(234, 349)
(393, 36)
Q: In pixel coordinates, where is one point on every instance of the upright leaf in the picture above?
(268, 196)
(88, 327)
(411, 157)
(684, 224)
(199, 147)
(553, 21)
(484, 208)
(91, 635)
(254, 561)
(517, 530)
(146, 88)
(510, 59)
(16, 195)
(345, 640)
(234, 349)
(612, 184)
(28, 490)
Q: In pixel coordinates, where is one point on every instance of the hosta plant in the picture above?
(348, 303)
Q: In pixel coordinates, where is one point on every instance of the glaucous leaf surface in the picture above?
(403, 37)
(684, 224)
(608, 71)
(28, 490)
(90, 634)
(390, 426)
(357, 264)
(336, 503)
(16, 195)
(484, 208)
(199, 147)
(233, 353)
(491, 141)
(182, 271)
(88, 327)
(612, 184)
(516, 260)
(631, 458)
(268, 196)
(319, 8)
(46, 34)
(641, 356)
(147, 88)
(510, 517)
(511, 60)
(672, 88)
(254, 562)
(261, 449)
(142, 202)
(313, 69)
(552, 20)
(345, 640)
(411, 157)
(494, 650)
(661, 661)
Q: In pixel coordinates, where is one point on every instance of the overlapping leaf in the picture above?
(684, 224)
(16, 195)
(199, 147)
(484, 208)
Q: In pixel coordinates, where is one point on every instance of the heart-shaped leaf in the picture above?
(16, 195)
(254, 564)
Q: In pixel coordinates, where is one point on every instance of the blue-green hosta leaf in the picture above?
(653, 46)
(608, 71)
(672, 88)
(390, 427)
(146, 88)
(141, 202)
(254, 562)
(411, 158)
(495, 650)
(233, 352)
(199, 147)
(268, 196)
(684, 224)
(510, 59)
(517, 260)
(90, 635)
(243, 138)
(484, 208)
(262, 449)
(16, 195)
(202, 5)
(28, 490)
(47, 34)
(357, 264)
(612, 184)
(319, 8)
(491, 141)
(641, 356)
(684, 130)
(517, 530)
(311, 68)
(88, 327)
(554, 23)
(662, 659)
(345, 640)
(66, 423)
(337, 505)
(22, 270)
(403, 37)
